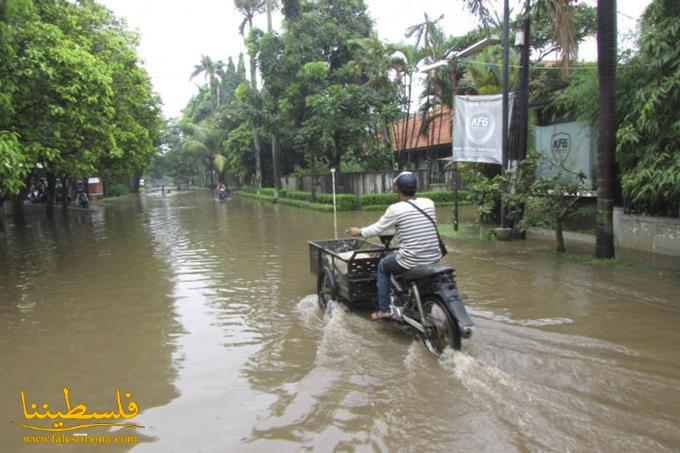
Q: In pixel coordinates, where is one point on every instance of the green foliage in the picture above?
(118, 190)
(530, 202)
(238, 147)
(648, 139)
(484, 73)
(378, 199)
(306, 204)
(485, 194)
(580, 98)
(13, 163)
(73, 96)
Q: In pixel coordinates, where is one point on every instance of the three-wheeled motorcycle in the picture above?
(425, 300)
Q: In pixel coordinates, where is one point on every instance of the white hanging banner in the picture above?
(477, 128)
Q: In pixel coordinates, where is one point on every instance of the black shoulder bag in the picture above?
(442, 246)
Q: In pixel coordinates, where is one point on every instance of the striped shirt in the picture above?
(418, 241)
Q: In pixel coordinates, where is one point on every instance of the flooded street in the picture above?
(206, 312)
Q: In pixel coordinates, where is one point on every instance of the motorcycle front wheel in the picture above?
(443, 331)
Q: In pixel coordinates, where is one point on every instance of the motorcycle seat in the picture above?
(426, 270)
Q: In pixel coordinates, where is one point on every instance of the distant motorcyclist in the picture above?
(81, 195)
(221, 191)
(416, 233)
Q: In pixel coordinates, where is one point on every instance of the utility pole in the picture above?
(506, 107)
(523, 97)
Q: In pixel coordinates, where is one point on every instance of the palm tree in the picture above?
(428, 32)
(249, 9)
(561, 13)
(407, 58)
(606, 140)
(485, 75)
(211, 70)
(204, 142)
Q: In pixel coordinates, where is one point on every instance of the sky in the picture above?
(176, 33)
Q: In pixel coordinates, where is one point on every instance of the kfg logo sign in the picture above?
(480, 121)
(480, 128)
(561, 145)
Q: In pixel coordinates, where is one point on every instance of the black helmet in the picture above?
(406, 182)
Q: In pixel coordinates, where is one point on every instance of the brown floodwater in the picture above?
(206, 313)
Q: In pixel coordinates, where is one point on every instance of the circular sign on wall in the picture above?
(560, 145)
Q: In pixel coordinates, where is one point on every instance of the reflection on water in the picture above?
(206, 312)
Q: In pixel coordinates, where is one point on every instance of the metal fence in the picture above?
(370, 182)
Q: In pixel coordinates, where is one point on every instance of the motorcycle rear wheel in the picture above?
(444, 331)
(326, 289)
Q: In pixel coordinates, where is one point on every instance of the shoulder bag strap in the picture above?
(428, 218)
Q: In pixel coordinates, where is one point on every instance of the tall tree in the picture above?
(249, 9)
(408, 58)
(648, 96)
(606, 140)
(275, 115)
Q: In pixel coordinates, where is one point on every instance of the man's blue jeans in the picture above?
(386, 267)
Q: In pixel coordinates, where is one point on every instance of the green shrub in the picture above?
(375, 199)
(345, 202)
(306, 204)
(255, 196)
(267, 191)
(296, 195)
(118, 190)
(374, 207)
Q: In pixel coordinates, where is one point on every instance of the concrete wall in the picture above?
(650, 234)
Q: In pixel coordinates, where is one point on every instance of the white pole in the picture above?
(335, 209)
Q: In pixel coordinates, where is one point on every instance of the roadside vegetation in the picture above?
(322, 92)
(344, 202)
(75, 100)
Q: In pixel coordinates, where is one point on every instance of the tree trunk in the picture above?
(606, 140)
(275, 132)
(314, 176)
(408, 119)
(559, 237)
(2, 214)
(18, 207)
(49, 206)
(275, 162)
(64, 192)
(523, 101)
(269, 16)
(256, 136)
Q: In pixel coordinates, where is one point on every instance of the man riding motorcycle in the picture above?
(415, 231)
(221, 191)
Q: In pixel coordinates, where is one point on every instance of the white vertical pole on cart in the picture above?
(335, 209)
